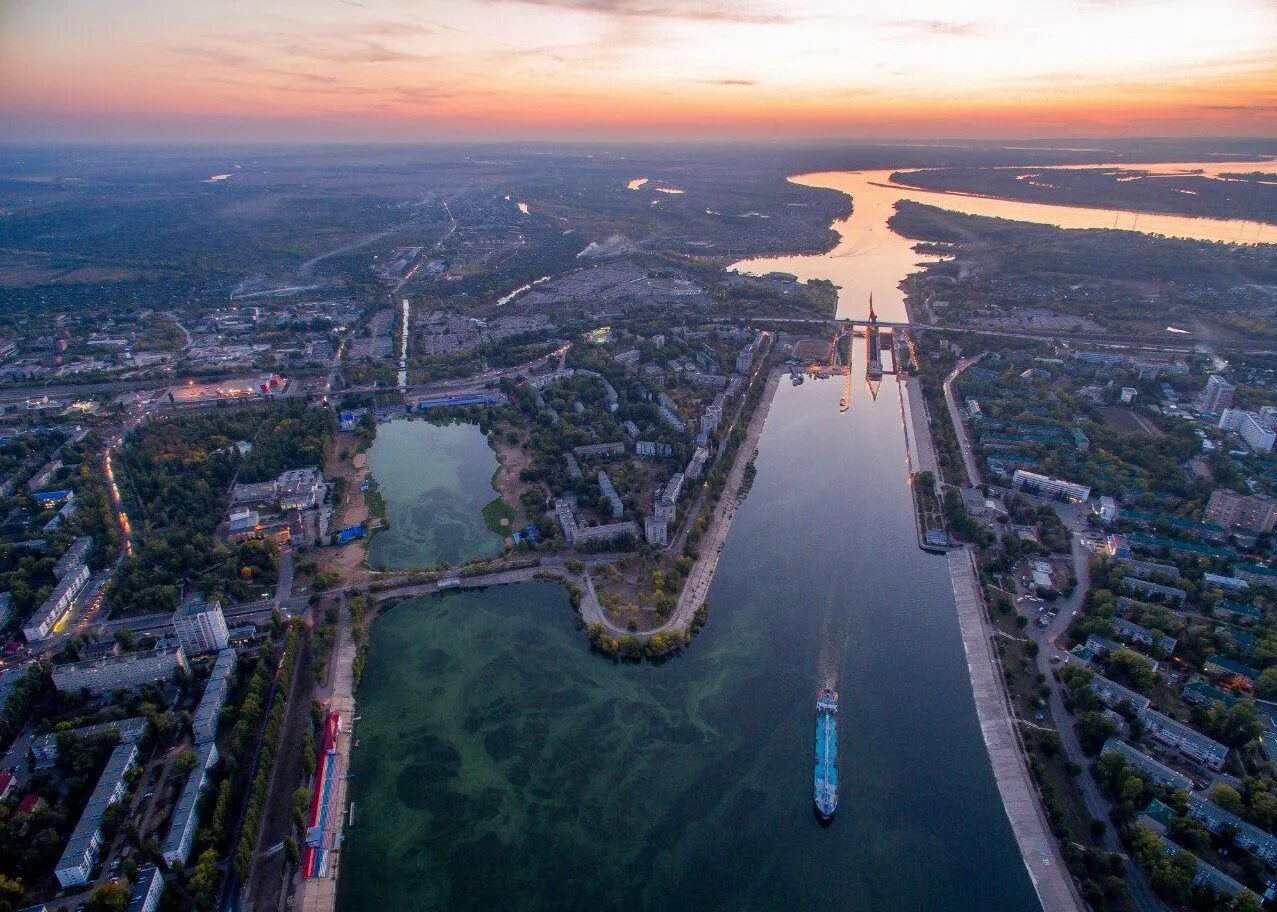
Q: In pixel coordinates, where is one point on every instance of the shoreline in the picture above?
(698, 581)
(1021, 801)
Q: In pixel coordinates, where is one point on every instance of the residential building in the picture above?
(1050, 487)
(1152, 569)
(1206, 875)
(1228, 583)
(1168, 594)
(567, 520)
(1108, 510)
(1256, 574)
(1250, 513)
(574, 467)
(1258, 842)
(209, 711)
(1218, 395)
(147, 891)
(131, 669)
(1114, 695)
(45, 748)
(631, 429)
(653, 449)
(1254, 428)
(605, 486)
(587, 535)
(599, 450)
(745, 360)
(1134, 633)
(1224, 667)
(670, 418)
(200, 627)
(629, 358)
(697, 463)
(656, 528)
(186, 815)
(1199, 693)
(1148, 767)
(75, 555)
(81, 852)
(673, 488)
(55, 607)
(1188, 741)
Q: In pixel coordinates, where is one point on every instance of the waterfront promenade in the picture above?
(1038, 847)
(320, 894)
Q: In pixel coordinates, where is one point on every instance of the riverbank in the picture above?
(701, 577)
(1021, 801)
(711, 544)
(1020, 798)
(319, 894)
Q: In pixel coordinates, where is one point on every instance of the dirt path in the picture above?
(348, 562)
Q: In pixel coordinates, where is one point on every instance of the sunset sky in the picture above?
(634, 69)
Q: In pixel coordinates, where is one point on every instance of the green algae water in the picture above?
(502, 766)
(435, 479)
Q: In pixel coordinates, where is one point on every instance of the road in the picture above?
(1074, 518)
(1138, 343)
(955, 416)
(1046, 638)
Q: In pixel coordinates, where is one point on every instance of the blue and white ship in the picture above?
(826, 791)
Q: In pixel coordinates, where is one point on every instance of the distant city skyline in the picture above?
(368, 70)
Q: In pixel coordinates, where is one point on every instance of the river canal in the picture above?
(502, 766)
(435, 479)
(872, 259)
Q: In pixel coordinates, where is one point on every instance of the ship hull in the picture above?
(825, 793)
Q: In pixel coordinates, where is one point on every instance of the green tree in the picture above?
(11, 893)
(184, 764)
(1228, 798)
(110, 897)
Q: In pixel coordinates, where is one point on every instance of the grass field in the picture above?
(1124, 421)
(499, 516)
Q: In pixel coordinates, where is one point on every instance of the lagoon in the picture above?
(435, 479)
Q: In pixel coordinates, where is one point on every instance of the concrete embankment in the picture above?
(320, 894)
(1032, 831)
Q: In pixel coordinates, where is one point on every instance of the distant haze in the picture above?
(370, 70)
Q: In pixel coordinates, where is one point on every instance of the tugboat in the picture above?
(826, 790)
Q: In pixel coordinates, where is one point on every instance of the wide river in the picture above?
(502, 766)
(872, 259)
